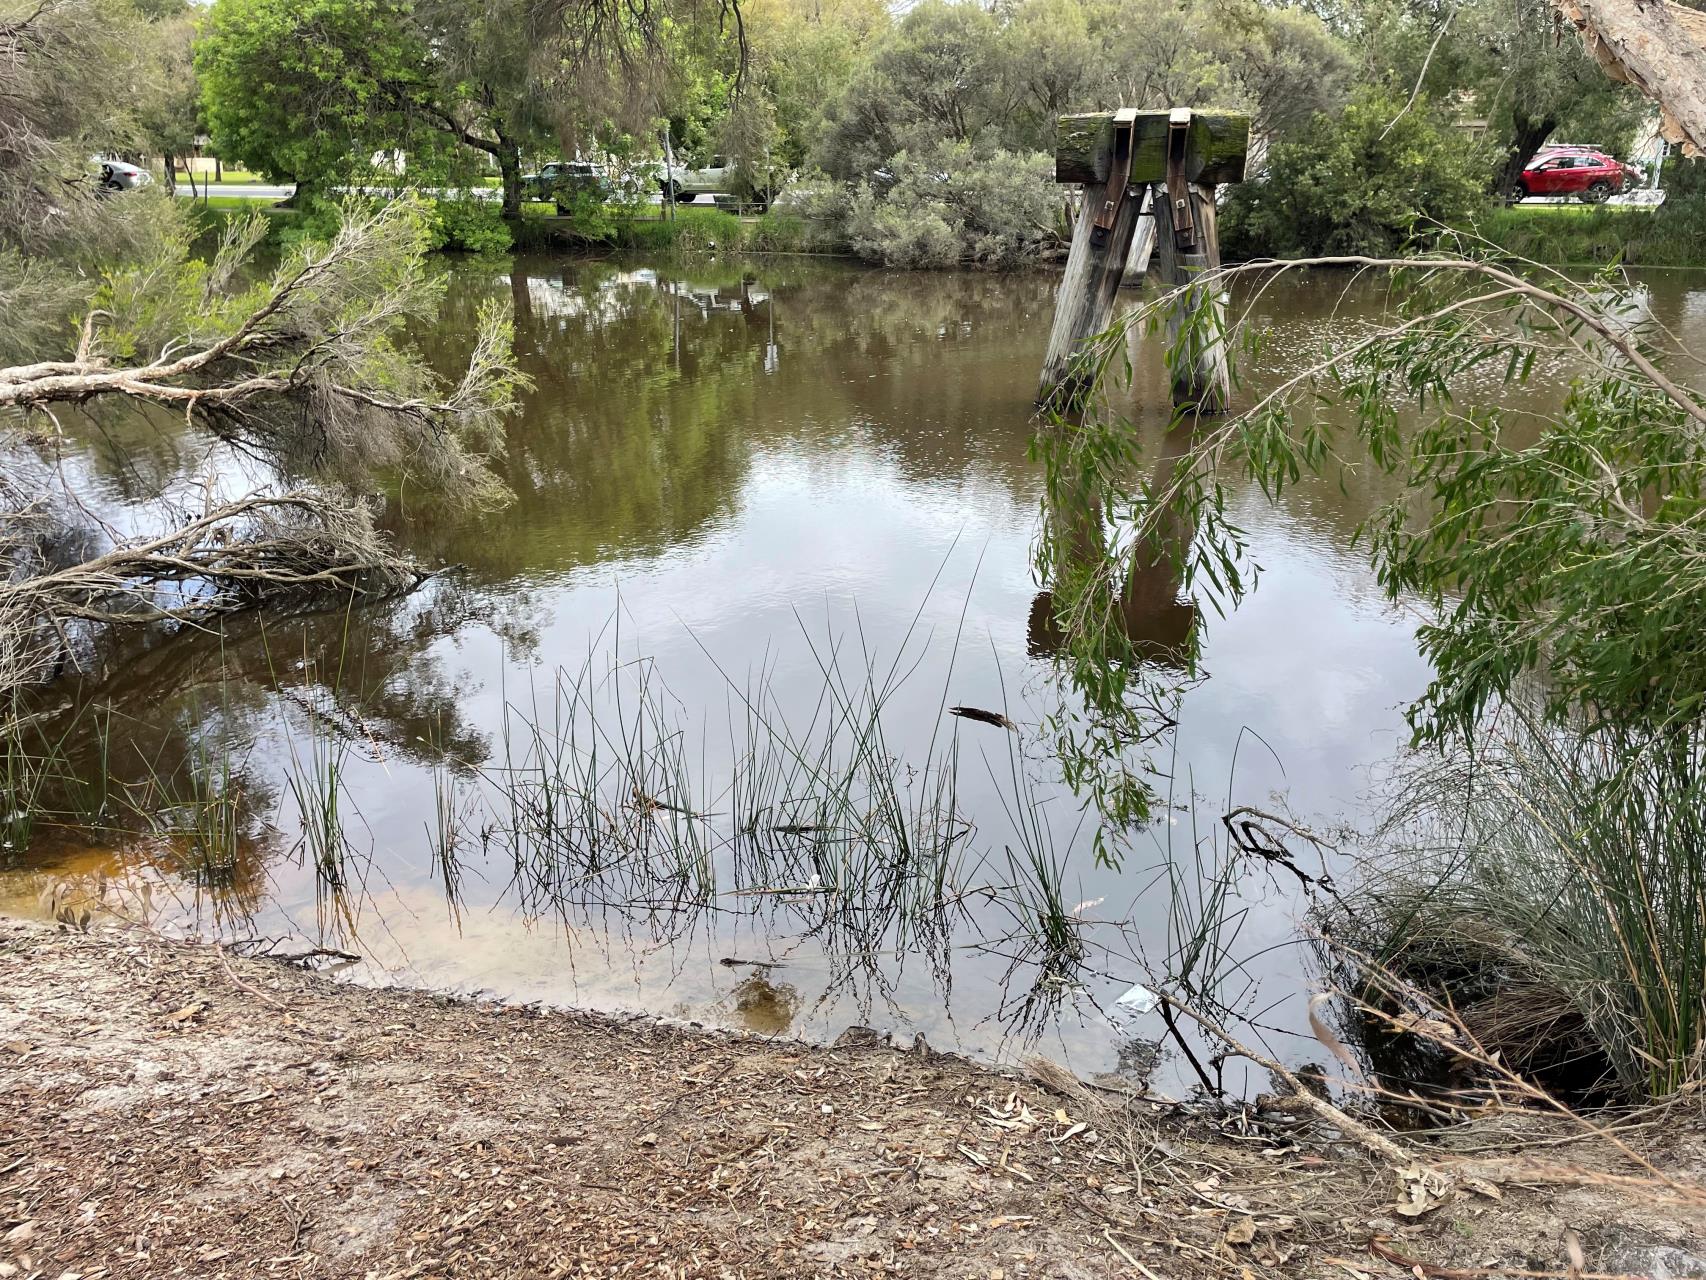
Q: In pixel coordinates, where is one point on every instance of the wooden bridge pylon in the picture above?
(1136, 165)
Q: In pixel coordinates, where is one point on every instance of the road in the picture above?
(242, 190)
(272, 192)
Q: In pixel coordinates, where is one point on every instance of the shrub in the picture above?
(315, 221)
(954, 205)
(470, 226)
(809, 216)
(692, 230)
(1549, 890)
(786, 233)
(1363, 181)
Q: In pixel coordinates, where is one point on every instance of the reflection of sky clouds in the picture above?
(877, 459)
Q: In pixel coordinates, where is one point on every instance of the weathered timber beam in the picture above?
(1142, 247)
(1084, 147)
(1196, 318)
(1084, 305)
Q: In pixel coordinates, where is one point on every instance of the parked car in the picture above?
(1588, 175)
(117, 175)
(562, 180)
(720, 177)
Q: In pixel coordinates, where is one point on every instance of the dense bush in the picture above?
(948, 207)
(314, 220)
(470, 226)
(1363, 181)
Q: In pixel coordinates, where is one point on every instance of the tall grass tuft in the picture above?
(1551, 888)
(26, 771)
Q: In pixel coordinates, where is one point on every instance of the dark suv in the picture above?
(562, 180)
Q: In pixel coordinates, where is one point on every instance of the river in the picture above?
(750, 499)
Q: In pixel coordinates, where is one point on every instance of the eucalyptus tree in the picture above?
(169, 108)
(803, 54)
(935, 78)
(1513, 68)
(309, 91)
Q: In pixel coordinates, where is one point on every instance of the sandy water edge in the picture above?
(174, 1110)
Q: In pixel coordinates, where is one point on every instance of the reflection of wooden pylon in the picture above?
(1160, 166)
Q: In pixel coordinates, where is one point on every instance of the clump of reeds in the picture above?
(1549, 890)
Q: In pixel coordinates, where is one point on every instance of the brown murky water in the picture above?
(747, 496)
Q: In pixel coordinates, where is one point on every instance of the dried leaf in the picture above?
(1241, 1230)
(1421, 1191)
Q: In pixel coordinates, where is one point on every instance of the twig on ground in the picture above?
(247, 987)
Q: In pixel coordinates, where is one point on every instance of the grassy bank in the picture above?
(691, 230)
(475, 226)
(1669, 236)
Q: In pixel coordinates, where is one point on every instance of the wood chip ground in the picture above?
(173, 1111)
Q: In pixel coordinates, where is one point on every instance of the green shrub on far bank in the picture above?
(689, 231)
(470, 226)
(1364, 181)
(477, 226)
(693, 230)
(953, 206)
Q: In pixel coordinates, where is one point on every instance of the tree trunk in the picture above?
(1531, 134)
(1660, 49)
(171, 171)
(509, 166)
(300, 198)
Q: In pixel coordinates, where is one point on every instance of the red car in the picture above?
(1587, 175)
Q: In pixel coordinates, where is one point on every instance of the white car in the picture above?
(720, 177)
(118, 175)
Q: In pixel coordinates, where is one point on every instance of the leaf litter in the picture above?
(165, 1120)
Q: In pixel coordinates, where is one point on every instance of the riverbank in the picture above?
(469, 226)
(1596, 235)
(1556, 235)
(175, 1109)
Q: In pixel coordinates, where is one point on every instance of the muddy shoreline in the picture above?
(175, 1110)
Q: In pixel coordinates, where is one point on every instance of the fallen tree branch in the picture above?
(1359, 1132)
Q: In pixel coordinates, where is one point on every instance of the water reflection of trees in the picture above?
(654, 389)
(154, 769)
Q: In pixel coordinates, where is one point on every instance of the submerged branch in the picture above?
(238, 555)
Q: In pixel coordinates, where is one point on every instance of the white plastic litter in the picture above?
(1133, 1005)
